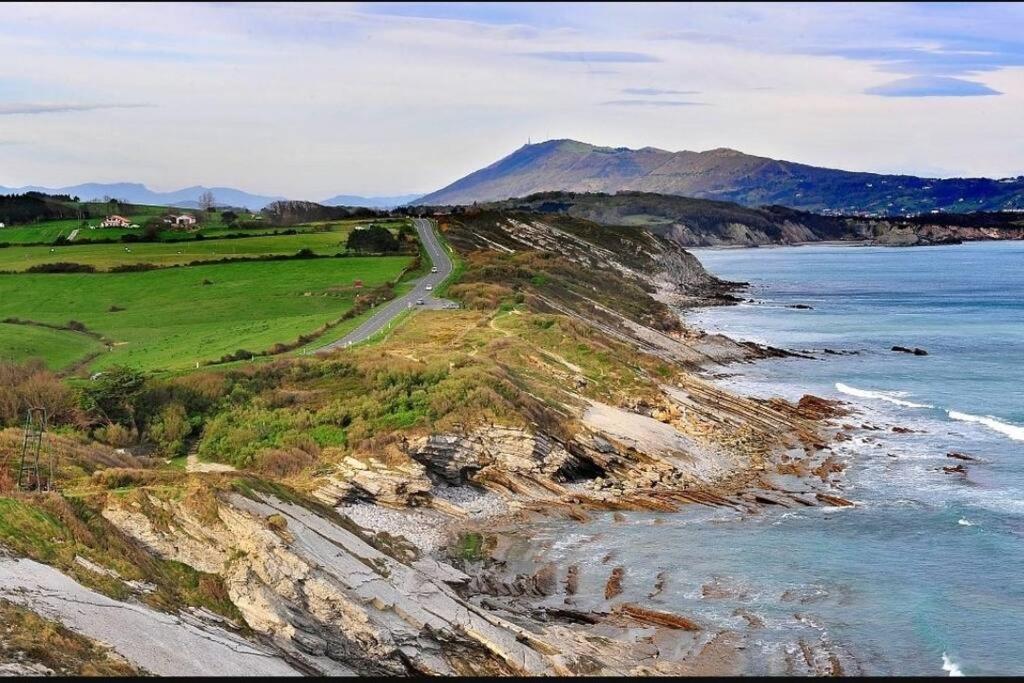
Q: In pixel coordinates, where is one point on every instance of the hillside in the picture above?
(137, 193)
(188, 197)
(386, 202)
(702, 222)
(722, 174)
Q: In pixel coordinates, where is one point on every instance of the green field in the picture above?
(60, 348)
(105, 256)
(171, 320)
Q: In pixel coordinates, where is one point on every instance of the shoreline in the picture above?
(849, 243)
(480, 543)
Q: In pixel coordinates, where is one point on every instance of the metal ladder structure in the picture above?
(35, 471)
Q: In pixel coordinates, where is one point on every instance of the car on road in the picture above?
(434, 269)
(430, 287)
(419, 302)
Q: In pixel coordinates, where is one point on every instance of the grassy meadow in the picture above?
(60, 348)
(171, 318)
(174, 317)
(106, 256)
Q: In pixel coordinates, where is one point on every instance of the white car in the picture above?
(430, 287)
(434, 269)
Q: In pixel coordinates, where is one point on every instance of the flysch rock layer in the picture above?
(161, 643)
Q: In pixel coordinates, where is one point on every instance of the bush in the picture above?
(133, 268)
(240, 354)
(31, 385)
(283, 462)
(373, 239)
(61, 267)
(168, 432)
(116, 435)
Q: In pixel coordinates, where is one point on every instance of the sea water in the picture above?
(926, 574)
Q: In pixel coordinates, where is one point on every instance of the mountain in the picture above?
(723, 174)
(137, 193)
(371, 202)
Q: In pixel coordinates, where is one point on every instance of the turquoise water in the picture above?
(924, 576)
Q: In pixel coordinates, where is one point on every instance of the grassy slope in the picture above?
(59, 348)
(171, 320)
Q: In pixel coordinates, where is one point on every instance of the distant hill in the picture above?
(137, 193)
(370, 202)
(703, 222)
(722, 174)
(188, 198)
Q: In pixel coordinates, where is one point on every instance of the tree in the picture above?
(112, 395)
(206, 200)
(374, 239)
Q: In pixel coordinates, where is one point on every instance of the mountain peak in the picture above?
(722, 173)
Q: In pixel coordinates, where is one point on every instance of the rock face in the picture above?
(163, 644)
(332, 601)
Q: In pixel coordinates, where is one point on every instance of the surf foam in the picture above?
(1013, 431)
(949, 665)
(889, 396)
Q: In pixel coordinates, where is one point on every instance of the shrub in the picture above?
(116, 435)
(61, 267)
(373, 239)
(133, 268)
(283, 462)
(168, 432)
(31, 385)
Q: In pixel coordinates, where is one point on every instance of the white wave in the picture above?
(889, 396)
(949, 665)
(1015, 432)
(964, 522)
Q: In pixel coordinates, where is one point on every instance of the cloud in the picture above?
(937, 61)
(658, 91)
(26, 108)
(609, 57)
(693, 37)
(653, 103)
(932, 86)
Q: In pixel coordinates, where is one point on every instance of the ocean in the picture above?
(925, 575)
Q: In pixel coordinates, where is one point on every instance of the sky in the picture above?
(312, 100)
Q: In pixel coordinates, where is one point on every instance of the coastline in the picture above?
(512, 576)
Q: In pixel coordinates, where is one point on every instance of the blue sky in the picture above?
(311, 100)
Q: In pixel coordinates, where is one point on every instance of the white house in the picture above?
(185, 219)
(115, 222)
(2, 225)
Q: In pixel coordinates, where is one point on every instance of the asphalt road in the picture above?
(387, 313)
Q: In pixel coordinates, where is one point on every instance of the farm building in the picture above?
(182, 220)
(115, 222)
